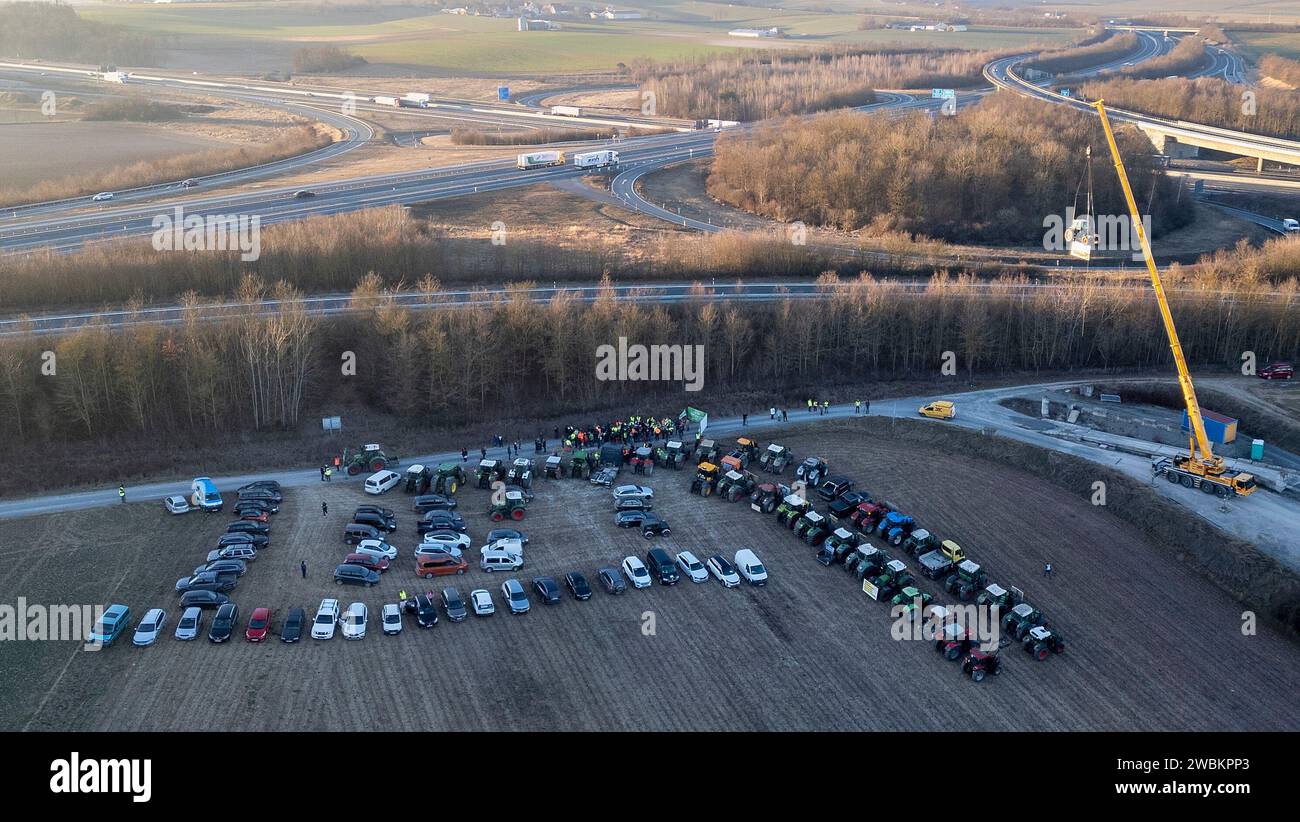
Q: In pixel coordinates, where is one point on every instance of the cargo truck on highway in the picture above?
(566, 111)
(418, 97)
(387, 101)
(540, 159)
(595, 159)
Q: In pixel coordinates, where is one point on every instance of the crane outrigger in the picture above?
(1200, 467)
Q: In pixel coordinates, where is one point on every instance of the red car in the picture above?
(256, 516)
(1277, 371)
(376, 564)
(258, 625)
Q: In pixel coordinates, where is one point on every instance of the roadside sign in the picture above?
(870, 590)
(331, 423)
(942, 93)
(1110, 398)
(503, 93)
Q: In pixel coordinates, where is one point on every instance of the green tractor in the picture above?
(970, 577)
(450, 476)
(892, 578)
(866, 561)
(775, 459)
(673, 455)
(708, 452)
(790, 509)
(1042, 641)
(839, 545)
(580, 464)
(370, 458)
(995, 595)
(812, 527)
(554, 467)
(521, 473)
(920, 542)
(1018, 622)
(706, 479)
(733, 485)
(490, 471)
(908, 598)
(417, 480)
(512, 505)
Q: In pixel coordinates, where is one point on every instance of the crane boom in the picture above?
(1200, 443)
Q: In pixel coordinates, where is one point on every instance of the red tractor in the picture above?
(979, 664)
(869, 514)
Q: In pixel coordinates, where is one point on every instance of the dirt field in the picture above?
(1153, 647)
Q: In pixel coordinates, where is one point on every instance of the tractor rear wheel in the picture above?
(353, 470)
(378, 464)
(1040, 652)
(896, 539)
(497, 516)
(516, 513)
(769, 507)
(452, 486)
(953, 652)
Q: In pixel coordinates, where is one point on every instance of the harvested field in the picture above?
(1153, 646)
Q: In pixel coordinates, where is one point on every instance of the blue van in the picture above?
(111, 625)
(204, 494)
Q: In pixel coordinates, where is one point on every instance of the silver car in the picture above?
(633, 491)
(481, 601)
(146, 633)
(190, 625)
(515, 595)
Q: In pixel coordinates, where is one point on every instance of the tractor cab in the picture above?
(675, 454)
(643, 461)
(791, 509)
(919, 542)
(812, 471)
(1042, 641)
(841, 543)
(731, 481)
(869, 515)
(895, 527)
(731, 462)
(908, 598)
(867, 559)
(746, 450)
(967, 580)
(994, 594)
(775, 458)
(954, 639)
(1021, 619)
(450, 477)
(417, 480)
(765, 496)
(512, 505)
(979, 664)
(812, 527)
(488, 471)
(706, 479)
(554, 467)
(708, 452)
(579, 464)
(521, 473)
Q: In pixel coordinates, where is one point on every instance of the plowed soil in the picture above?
(1152, 646)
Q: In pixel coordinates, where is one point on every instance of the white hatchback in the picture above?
(376, 548)
(692, 567)
(354, 621)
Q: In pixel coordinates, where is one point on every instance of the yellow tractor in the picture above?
(706, 479)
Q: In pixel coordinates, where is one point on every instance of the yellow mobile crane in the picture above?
(1199, 468)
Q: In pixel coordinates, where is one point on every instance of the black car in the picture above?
(454, 605)
(426, 611)
(203, 599)
(630, 519)
(248, 527)
(661, 566)
(291, 630)
(258, 504)
(223, 624)
(833, 487)
(547, 589)
(355, 575)
(379, 523)
(386, 513)
(265, 494)
(258, 541)
(303, 194)
(271, 485)
(439, 521)
(611, 579)
(434, 502)
(577, 585)
(506, 533)
(843, 505)
(224, 566)
(633, 504)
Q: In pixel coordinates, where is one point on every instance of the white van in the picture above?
(750, 568)
(381, 481)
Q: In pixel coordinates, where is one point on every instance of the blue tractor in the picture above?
(895, 527)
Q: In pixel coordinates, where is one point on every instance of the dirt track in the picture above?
(1152, 646)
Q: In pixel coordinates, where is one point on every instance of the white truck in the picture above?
(418, 97)
(540, 159)
(595, 159)
(116, 76)
(387, 101)
(566, 111)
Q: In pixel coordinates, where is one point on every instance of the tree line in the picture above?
(1186, 57)
(1280, 68)
(259, 371)
(324, 59)
(1103, 48)
(758, 84)
(1206, 100)
(52, 31)
(990, 174)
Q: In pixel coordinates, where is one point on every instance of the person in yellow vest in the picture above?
(329, 473)
(857, 407)
(121, 493)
